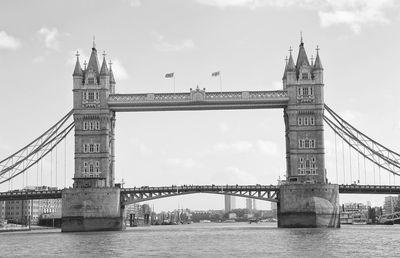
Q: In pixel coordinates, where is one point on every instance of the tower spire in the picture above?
(301, 37)
(302, 57)
(290, 64)
(112, 80)
(94, 43)
(317, 63)
(93, 60)
(104, 69)
(78, 69)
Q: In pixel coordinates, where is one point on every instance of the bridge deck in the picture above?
(30, 195)
(262, 192)
(198, 100)
(369, 189)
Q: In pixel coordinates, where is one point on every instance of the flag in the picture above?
(169, 75)
(215, 74)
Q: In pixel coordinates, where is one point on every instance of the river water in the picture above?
(208, 240)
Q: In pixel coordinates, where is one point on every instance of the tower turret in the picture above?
(291, 69)
(78, 73)
(104, 74)
(318, 69)
(112, 80)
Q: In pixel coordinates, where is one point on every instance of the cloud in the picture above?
(277, 85)
(38, 59)
(237, 175)
(354, 13)
(119, 70)
(223, 127)
(180, 162)
(267, 147)
(351, 115)
(8, 41)
(144, 149)
(50, 37)
(238, 147)
(164, 46)
(134, 3)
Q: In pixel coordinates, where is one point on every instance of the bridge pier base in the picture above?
(308, 206)
(91, 209)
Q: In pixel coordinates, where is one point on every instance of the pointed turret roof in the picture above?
(290, 65)
(104, 69)
(112, 80)
(302, 57)
(284, 72)
(78, 69)
(93, 61)
(318, 64)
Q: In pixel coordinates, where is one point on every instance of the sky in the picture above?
(247, 40)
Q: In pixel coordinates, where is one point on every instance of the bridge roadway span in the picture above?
(145, 193)
(198, 100)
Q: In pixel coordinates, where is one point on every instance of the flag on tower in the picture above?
(169, 75)
(215, 74)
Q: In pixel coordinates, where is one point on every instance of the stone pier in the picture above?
(91, 209)
(308, 206)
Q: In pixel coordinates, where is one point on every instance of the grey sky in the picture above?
(247, 40)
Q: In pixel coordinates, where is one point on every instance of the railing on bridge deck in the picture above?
(198, 100)
(369, 189)
(30, 195)
(145, 193)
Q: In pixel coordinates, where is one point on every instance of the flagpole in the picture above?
(220, 81)
(174, 84)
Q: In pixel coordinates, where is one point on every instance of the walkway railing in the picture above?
(198, 100)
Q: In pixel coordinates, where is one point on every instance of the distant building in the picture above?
(230, 203)
(19, 211)
(390, 204)
(250, 204)
(2, 210)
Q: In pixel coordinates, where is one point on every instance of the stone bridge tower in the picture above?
(94, 201)
(306, 199)
(94, 124)
(303, 81)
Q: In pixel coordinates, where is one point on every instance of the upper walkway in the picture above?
(198, 100)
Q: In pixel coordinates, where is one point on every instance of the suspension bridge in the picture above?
(306, 199)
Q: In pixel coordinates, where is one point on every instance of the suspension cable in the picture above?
(26, 157)
(358, 167)
(344, 169)
(65, 162)
(51, 168)
(56, 164)
(337, 173)
(351, 175)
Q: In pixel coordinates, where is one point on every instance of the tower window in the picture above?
(90, 81)
(304, 76)
(305, 91)
(299, 121)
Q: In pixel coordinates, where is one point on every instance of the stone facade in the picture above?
(305, 156)
(94, 124)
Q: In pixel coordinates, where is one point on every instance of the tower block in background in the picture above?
(306, 199)
(94, 202)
